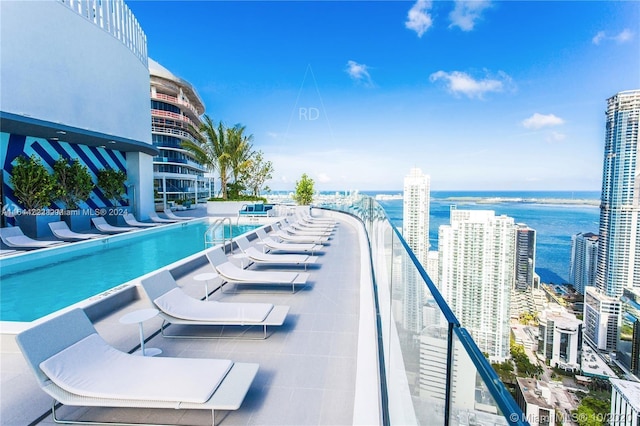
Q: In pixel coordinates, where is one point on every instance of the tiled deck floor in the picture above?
(307, 367)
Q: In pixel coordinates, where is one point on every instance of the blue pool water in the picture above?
(33, 288)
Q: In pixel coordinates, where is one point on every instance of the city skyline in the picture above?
(354, 94)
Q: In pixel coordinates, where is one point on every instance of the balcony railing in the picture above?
(173, 115)
(172, 131)
(432, 372)
(174, 100)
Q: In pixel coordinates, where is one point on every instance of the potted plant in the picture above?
(74, 185)
(304, 190)
(33, 186)
(111, 183)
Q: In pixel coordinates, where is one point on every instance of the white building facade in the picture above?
(477, 273)
(625, 403)
(584, 261)
(601, 320)
(560, 338)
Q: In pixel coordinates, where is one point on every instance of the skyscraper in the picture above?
(415, 213)
(525, 257)
(477, 273)
(619, 247)
(415, 230)
(584, 260)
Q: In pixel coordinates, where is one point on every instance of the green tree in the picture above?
(111, 182)
(239, 153)
(74, 183)
(211, 149)
(33, 185)
(258, 172)
(304, 190)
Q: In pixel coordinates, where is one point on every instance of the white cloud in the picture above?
(418, 18)
(537, 121)
(359, 73)
(466, 13)
(622, 37)
(462, 83)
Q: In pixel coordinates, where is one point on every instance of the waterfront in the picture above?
(554, 215)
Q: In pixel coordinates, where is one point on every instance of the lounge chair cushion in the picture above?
(93, 368)
(180, 305)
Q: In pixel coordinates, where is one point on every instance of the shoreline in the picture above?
(548, 201)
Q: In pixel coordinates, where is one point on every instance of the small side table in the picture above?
(139, 317)
(206, 277)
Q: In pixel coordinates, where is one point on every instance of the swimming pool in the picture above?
(41, 284)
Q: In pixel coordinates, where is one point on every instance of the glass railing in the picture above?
(433, 371)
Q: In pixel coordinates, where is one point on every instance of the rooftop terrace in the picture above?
(335, 361)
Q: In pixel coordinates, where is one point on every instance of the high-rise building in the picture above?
(525, 257)
(601, 319)
(628, 351)
(477, 273)
(415, 213)
(560, 338)
(625, 402)
(619, 246)
(175, 117)
(584, 258)
(415, 230)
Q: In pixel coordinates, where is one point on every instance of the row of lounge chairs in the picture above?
(14, 238)
(75, 366)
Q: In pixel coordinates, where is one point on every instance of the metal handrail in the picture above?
(211, 230)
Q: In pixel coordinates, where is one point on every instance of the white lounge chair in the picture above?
(101, 225)
(286, 247)
(233, 274)
(177, 307)
(261, 258)
(131, 220)
(155, 218)
(172, 215)
(287, 236)
(295, 228)
(301, 225)
(61, 230)
(305, 216)
(15, 238)
(76, 367)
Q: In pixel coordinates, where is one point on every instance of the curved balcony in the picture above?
(172, 132)
(174, 116)
(175, 101)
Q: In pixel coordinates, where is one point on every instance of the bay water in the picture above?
(554, 215)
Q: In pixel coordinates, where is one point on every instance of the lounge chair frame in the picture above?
(47, 339)
(161, 282)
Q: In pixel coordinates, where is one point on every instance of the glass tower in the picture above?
(619, 246)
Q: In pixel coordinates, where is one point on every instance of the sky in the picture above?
(480, 95)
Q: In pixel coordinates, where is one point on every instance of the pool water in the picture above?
(32, 289)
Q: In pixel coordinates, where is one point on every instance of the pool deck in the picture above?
(308, 366)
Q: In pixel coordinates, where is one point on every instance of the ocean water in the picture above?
(553, 218)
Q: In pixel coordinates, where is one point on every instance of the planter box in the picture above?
(37, 226)
(225, 208)
(77, 221)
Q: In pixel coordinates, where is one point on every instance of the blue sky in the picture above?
(480, 95)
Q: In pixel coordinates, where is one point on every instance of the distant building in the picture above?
(415, 213)
(601, 320)
(175, 117)
(415, 231)
(525, 257)
(560, 338)
(584, 261)
(619, 246)
(477, 274)
(535, 399)
(628, 351)
(625, 403)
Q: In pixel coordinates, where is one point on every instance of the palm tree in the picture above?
(240, 153)
(211, 149)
